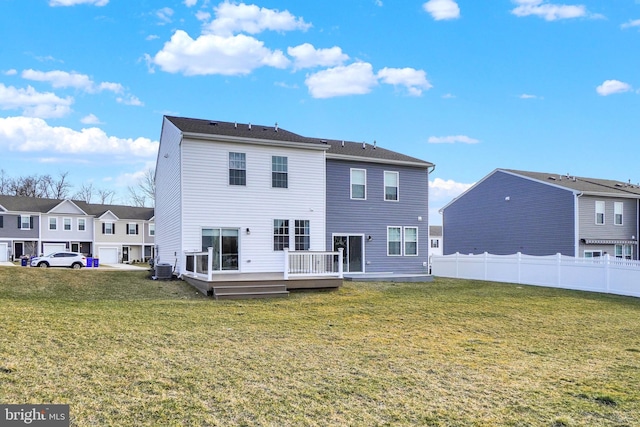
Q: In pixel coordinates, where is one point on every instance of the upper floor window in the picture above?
(599, 212)
(358, 184)
(618, 208)
(280, 234)
(152, 229)
(66, 224)
(279, 172)
(108, 228)
(82, 225)
(132, 228)
(237, 169)
(303, 235)
(391, 186)
(26, 222)
(53, 223)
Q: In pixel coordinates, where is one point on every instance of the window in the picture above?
(53, 223)
(435, 243)
(592, 254)
(394, 241)
(152, 229)
(237, 169)
(624, 252)
(132, 228)
(66, 224)
(410, 241)
(302, 236)
(391, 186)
(1, 221)
(618, 208)
(600, 212)
(358, 184)
(279, 172)
(26, 222)
(82, 225)
(225, 244)
(280, 234)
(108, 228)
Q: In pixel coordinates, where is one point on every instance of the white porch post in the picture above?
(340, 262)
(286, 263)
(210, 263)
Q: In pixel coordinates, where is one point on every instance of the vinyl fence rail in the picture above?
(604, 274)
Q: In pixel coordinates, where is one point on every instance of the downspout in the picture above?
(637, 228)
(576, 212)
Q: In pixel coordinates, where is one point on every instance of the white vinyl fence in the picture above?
(605, 274)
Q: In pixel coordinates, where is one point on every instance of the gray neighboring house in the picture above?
(537, 213)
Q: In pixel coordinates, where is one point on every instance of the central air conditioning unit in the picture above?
(164, 271)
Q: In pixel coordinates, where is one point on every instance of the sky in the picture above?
(537, 85)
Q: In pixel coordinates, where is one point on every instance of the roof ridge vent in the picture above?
(343, 142)
(235, 125)
(374, 144)
(249, 125)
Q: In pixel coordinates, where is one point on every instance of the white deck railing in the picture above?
(312, 264)
(297, 264)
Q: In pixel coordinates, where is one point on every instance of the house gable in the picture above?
(67, 207)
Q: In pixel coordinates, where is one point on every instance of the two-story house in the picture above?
(535, 213)
(251, 192)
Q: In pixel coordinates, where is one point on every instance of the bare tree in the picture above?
(57, 189)
(144, 193)
(106, 196)
(85, 193)
(4, 182)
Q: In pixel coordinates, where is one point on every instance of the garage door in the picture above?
(108, 255)
(3, 252)
(49, 248)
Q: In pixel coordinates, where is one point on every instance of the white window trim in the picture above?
(70, 224)
(152, 227)
(22, 222)
(351, 170)
(404, 241)
(401, 241)
(384, 186)
(81, 220)
(604, 212)
(129, 224)
(616, 213)
(110, 225)
(55, 219)
(592, 252)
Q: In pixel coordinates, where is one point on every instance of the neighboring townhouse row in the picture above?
(34, 226)
(250, 192)
(535, 213)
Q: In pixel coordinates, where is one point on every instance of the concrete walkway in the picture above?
(6, 264)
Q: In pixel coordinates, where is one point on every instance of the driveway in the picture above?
(121, 267)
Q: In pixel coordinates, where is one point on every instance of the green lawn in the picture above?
(124, 350)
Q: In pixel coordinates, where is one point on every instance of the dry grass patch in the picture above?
(125, 350)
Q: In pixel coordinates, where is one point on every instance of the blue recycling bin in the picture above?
(23, 261)
(89, 261)
(96, 262)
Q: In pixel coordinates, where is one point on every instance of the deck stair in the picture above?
(233, 291)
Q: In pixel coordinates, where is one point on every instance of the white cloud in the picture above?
(377, 3)
(11, 72)
(91, 119)
(414, 80)
(63, 79)
(442, 9)
(26, 134)
(231, 18)
(165, 15)
(439, 189)
(151, 37)
(190, 3)
(213, 54)
(448, 96)
(452, 139)
(630, 24)
(130, 100)
(34, 103)
(203, 16)
(609, 87)
(307, 56)
(529, 96)
(354, 79)
(75, 2)
(550, 11)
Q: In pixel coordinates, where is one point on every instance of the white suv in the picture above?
(60, 259)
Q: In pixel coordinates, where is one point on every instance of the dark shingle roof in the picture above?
(336, 148)
(36, 204)
(582, 184)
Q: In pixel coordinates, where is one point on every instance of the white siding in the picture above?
(168, 199)
(209, 200)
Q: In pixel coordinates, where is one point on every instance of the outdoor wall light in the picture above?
(248, 231)
(369, 238)
(507, 198)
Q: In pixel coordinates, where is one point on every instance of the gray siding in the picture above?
(371, 217)
(537, 219)
(11, 230)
